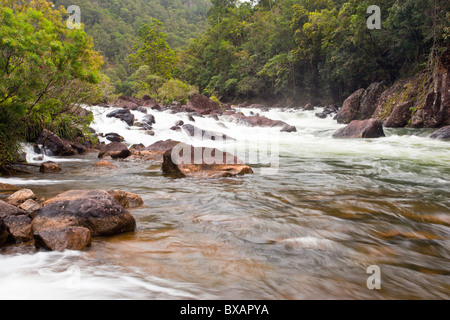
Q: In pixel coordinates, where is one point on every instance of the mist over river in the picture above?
(308, 229)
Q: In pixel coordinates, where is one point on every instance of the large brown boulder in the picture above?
(203, 105)
(31, 207)
(54, 144)
(188, 161)
(371, 128)
(97, 211)
(71, 238)
(350, 108)
(115, 150)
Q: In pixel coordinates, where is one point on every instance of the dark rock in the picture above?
(78, 147)
(97, 211)
(308, 107)
(149, 119)
(196, 132)
(122, 114)
(19, 228)
(150, 132)
(71, 238)
(371, 128)
(442, 134)
(4, 232)
(50, 167)
(115, 150)
(175, 128)
(203, 105)
(289, 129)
(187, 161)
(369, 100)
(257, 121)
(400, 116)
(114, 137)
(142, 109)
(8, 187)
(55, 144)
(115, 113)
(191, 118)
(155, 151)
(350, 108)
(179, 123)
(321, 115)
(7, 210)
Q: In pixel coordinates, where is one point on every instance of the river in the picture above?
(317, 213)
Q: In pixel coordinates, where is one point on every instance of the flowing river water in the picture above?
(307, 225)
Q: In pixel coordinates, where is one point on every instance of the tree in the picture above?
(151, 49)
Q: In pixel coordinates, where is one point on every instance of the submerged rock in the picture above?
(371, 128)
(201, 134)
(105, 165)
(97, 211)
(71, 238)
(188, 161)
(50, 167)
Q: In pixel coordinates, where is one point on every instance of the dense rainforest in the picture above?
(290, 51)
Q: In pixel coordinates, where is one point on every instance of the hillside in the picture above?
(113, 25)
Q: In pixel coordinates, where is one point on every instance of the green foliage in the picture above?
(46, 71)
(114, 24)
(312, 49)
(176, 90)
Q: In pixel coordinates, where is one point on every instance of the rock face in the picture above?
(55, 144)
(97, 211)
(50, 167)
(442, 134)
(71, 238)
(203, 105)
(350, 108)
(188, 161)
(201, 134)
(20, 197)
(371, 128)
(115, 150)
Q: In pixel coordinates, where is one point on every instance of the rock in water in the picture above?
(399, 116)
(442, 134)
(289, 129)
(71, 238)
(201, 134)
(49, 167)
(203, 105)
(127, 199)
(55, 144)
(371, 128)
(115, 150)
(188, 161)
(350, 108)
(97, 211)
(105, 165)
(20, 197)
